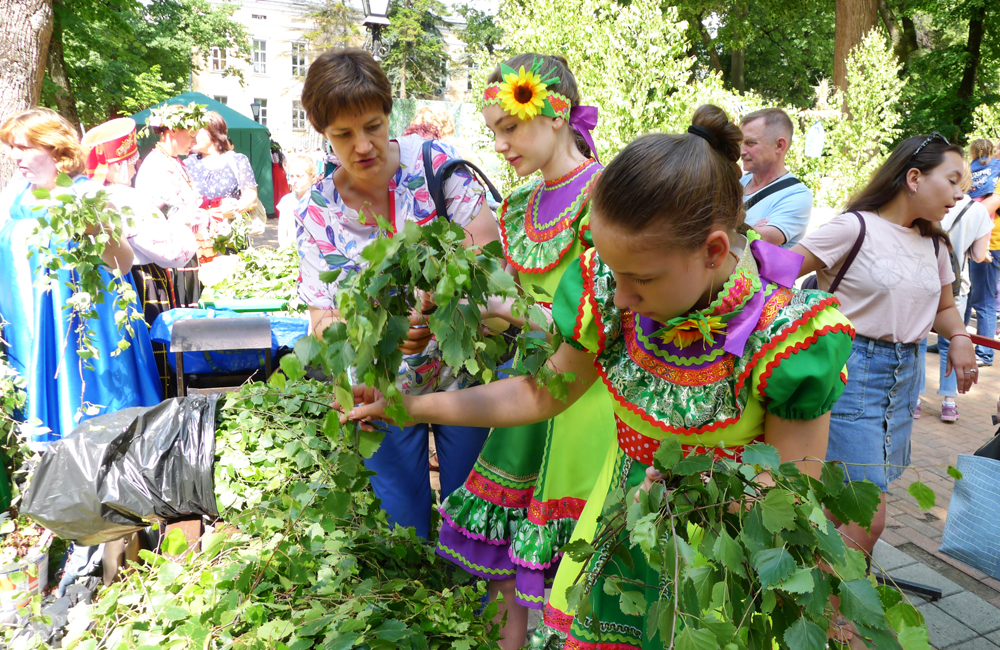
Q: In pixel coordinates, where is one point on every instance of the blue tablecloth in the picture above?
(284, 332)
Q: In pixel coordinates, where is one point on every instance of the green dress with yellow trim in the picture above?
(781, 351)
(529, 484)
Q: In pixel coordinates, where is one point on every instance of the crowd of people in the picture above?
(671, 273)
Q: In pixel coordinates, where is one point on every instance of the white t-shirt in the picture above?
(975, 224)
(892, 289)
(286, 218)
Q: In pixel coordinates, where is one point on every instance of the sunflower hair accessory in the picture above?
(525, 93)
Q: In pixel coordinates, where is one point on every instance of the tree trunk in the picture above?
(904, 38)
(737, 74)
(25, 30)
(706, 39)
(973, 57)
(402, 80)
(855, 18)
(65, 99)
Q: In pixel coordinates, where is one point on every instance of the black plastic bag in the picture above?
(116, 473)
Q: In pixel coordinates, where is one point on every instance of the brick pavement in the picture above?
(968, 617)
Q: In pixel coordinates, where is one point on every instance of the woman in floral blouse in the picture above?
(348, 99)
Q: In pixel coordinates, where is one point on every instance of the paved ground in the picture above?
(968, 617)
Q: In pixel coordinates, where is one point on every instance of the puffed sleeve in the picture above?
(573, 308)
(804, 374)
(463, 194)
(244, 172)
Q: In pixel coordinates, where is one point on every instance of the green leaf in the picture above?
(632, 603)
(369, 442)
(924, 495)
(833, 477)
(803, 634)
(329, 277)
(579, 550)
(692, 639)
(800, 582)
(778, 510)
(954, 473)
(63, 180)
(172, 613)
(292, 367)
(644, 532)
(306, 349)
(729, 552)
(914, 638)
(763, 455)
(857, 503)
(668, 454)
(391, 630)
(175, 543)
(860, 602)
(773, 565)
(694, 464)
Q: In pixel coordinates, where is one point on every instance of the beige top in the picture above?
(892, 289)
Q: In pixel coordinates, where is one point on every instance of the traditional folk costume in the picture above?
(159, 245)
(41, 340)
(770, 349)
(529, 485)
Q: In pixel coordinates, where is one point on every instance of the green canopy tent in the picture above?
(249, 138)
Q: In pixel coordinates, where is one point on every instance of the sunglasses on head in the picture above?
(926, 142)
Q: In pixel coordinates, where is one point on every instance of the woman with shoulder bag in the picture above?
(896, 289)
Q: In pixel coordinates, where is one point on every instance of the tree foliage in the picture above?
(124, 55)
(417, 63)
(335, 25)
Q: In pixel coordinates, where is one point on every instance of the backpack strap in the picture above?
(851, 255)
(776, 186)
(436, 180)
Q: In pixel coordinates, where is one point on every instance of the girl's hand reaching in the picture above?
(369, 405)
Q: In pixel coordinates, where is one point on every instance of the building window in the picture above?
(299, 62)
(222, 99)
(218, 59)
(263, 110)
(298, 115)
(259, 56)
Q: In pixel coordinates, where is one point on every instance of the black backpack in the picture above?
(435, 181)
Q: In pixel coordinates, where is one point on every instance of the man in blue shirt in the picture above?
(778, 204)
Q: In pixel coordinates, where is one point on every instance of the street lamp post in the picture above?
(376, 12)
(255, 109)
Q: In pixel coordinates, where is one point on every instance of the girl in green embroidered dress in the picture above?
(666, 220)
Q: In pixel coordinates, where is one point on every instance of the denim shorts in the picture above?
(870, 424)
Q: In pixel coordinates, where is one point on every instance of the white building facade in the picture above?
(280, 59)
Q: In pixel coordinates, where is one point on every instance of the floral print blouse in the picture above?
(330, 235)
(220, 176)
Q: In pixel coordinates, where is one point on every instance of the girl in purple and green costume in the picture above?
(529, 485)
(693, 328)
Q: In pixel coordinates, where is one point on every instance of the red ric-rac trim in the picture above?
(784, 354)
(497, 494)
(565, 177)
(587, 267)
(573, 643)
(641, 447)
(585, 228)
(770, 345)
(542, 512)
(510, 258)
(551, 231)
(557, 620)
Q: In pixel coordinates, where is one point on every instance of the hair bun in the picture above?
(725, 135)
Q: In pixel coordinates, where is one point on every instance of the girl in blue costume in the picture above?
(40, 335)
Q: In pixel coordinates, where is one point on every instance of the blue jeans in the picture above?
(949, 385)
(402, 475)
(983, 299)
(871, 422)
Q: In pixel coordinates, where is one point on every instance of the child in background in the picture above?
(985, 170)
(301, 176)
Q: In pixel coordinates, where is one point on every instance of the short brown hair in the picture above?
(218, 131)
(775, 120)
(43, 127)
(683, 184)
(344, 80)
(552, 65)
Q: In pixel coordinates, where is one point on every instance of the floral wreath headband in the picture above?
(525, 94)
(178, 116)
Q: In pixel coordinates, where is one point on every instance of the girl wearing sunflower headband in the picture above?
(694, 329)
(524, 495)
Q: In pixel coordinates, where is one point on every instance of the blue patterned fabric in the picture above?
(972, 531)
